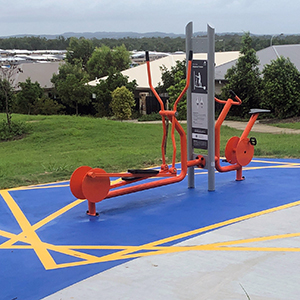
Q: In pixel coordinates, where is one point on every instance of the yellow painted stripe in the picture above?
(38, 187)
(258, 249)
(257, 239)
(56, 214)
(43, 222)
(6, 234)
(31, 237)
(124, 253)
(274, 162)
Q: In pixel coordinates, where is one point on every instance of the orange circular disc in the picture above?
(76, 181)
(230, 149)
(244, 152)
(95, 188)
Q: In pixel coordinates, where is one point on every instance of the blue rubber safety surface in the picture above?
(48, 242)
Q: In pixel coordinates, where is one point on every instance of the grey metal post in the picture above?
(211, 107)
(188, 48)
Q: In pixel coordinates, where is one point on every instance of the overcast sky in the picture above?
(59, 16)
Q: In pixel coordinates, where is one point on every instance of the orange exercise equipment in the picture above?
(94, 184)
(238, 151)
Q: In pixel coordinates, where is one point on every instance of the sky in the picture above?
(38, 17)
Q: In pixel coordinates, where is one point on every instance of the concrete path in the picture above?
(251, 261)
(258, 127)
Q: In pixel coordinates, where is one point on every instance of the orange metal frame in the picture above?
(240, 150)
(94, 184)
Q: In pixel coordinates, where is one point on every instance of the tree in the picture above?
(168, 76)
(175, 90)
(47, 106)
(29, 94)
(7, 77)
(104, 89)
(281, 92)
(79, 50)
(71, 85)
(105, 61)
(122, 103)
(244, 79)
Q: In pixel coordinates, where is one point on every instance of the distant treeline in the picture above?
(224, 42)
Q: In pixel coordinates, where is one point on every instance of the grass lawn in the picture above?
(295, 125)
(57, 145)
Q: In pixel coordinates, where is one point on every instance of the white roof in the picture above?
(139, 73)
(265, 57)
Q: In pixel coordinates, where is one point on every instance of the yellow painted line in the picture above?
(272, 167)
(6, 234)
(274, 162)
(28, 235)
(257, 239)
(258, 249)
(31, 237)
(50, 186)
(45, 259)
(24, 188)
(43, 222)
(58, 185)
(57, 214)
(153, 248)
(42, 185)
(123, 254)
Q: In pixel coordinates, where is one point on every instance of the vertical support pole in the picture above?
(188, 48)
(211, 107)
(92, 209)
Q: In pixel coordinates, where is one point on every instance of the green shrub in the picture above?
(150, 117)
(281, 93)
(15, 131)
(122, 103)
(47, 106)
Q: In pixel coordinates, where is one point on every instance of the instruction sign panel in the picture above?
(199, 104)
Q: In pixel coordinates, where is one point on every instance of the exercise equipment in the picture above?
(239, 151)
(94, 184)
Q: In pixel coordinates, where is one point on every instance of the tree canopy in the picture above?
(79, 50)
(281, 92)
(105, 61)
(244, 79)
(71, 85)
(104, 89)
(168, 76)
(224, 42)
(29, 94)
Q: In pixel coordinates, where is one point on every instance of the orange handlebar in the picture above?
(186, 85)
(188, 79)
(234, 96)
(150, 83)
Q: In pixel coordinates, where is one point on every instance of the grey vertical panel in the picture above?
(188, 48)
(211, 107)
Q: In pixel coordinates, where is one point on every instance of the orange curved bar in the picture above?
(249, 126)
(221, 118)
(188, 78)
(163, 156)
(150, 82)
(149, 185)
(173, 178)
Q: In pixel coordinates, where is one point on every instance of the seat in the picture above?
(258, 110)
(147, 172)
